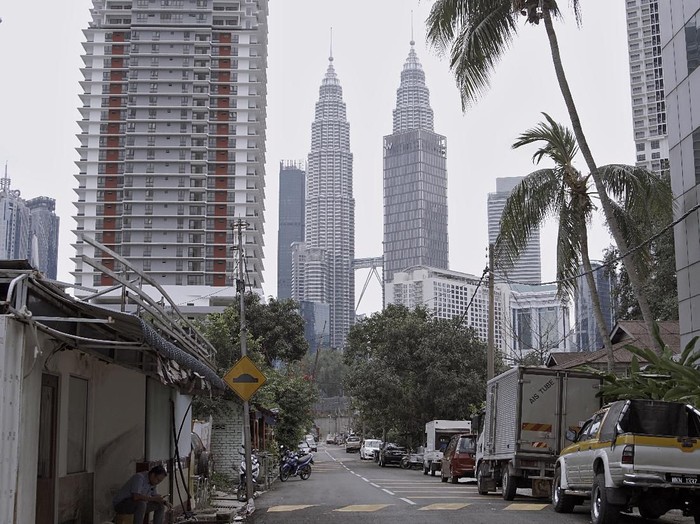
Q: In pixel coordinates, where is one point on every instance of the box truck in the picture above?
(528, 412)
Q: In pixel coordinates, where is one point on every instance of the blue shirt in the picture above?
(138, 483)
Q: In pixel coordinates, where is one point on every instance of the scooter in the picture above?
(255, 468)
(294, 465)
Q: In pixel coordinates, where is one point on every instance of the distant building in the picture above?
(528, 268)
(647, 84)
(539, 321)
(292, 186)
(679, 24)
(415, 180)
(316, 324)
(587, 336)
(322, 269)
(45, 227)
(447, 293)
(29, 229)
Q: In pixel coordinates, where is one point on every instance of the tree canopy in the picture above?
(276, 344)
(405, 367)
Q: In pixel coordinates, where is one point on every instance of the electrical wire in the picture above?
(617, 258)
(466, 309)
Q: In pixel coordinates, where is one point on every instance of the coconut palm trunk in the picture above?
(595, 298)
(628, 261)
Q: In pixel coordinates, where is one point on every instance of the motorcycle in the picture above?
(295, 465)
(255, 468)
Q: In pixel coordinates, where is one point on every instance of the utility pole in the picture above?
(491, 348)
(240, 288)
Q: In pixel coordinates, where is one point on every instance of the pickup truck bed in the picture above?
(633, 453)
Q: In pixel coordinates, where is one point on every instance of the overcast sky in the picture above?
(40, 48)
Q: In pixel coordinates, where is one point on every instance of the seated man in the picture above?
(138, 496)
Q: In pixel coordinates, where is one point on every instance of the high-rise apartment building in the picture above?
(415, 180)
(586, 329)
(446, 294)
(647, 84)
(172, 142)
(28, 229)
(528, 268)
(679, 22)
(292, 205)
(322, 268)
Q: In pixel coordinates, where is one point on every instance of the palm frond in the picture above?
(477, 33)
(527, 207)
(559, 142)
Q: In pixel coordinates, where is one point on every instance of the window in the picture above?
(77, 424)
(655, 144)
(692, 43)
(696, 153)
(640, 147)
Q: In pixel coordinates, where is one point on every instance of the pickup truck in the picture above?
(632, 453)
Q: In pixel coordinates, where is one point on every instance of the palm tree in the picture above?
(477, 33)
(562, 192)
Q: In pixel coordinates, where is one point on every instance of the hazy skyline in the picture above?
(370, 44)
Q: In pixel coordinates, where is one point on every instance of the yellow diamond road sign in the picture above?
(244, 378)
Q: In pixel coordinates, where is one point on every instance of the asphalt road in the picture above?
(344, 489)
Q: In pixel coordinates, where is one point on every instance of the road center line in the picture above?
(375, 485)
(366, 480)
(387, 491)
(409, 501)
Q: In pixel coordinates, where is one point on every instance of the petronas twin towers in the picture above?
(415, 198)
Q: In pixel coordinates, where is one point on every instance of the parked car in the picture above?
(311, 441)
(304, 447)
(352, 444)
(367, 448)
(391, 453)
(459, 458)
(330, 439)
(203, 462)
(632, 453)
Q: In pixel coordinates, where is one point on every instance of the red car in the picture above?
(459, 458)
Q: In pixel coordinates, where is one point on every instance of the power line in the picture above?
(617, 258)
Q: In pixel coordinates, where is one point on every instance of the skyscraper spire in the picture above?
(413, 109)
(415, 179)
(324, 263)
(330, 56)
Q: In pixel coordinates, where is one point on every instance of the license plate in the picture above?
(684, 479)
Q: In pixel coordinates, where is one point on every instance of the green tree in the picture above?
(563, 193)
(477, 33)
(660, 280)
(328, 371)
(406, 368)
(276, 344)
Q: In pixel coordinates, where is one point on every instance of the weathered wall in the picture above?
(226, 441)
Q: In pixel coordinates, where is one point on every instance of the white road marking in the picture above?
(387, 491)
(375, 485)
(409, 501)
(366, 480)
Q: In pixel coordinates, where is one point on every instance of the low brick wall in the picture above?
(226, 441)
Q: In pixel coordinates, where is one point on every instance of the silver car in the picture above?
(368, 447)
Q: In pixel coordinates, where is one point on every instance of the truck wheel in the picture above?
(561, 502)
(481, 480)
(509, 485)
(602, 511)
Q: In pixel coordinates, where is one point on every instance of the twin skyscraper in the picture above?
(317, 268)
